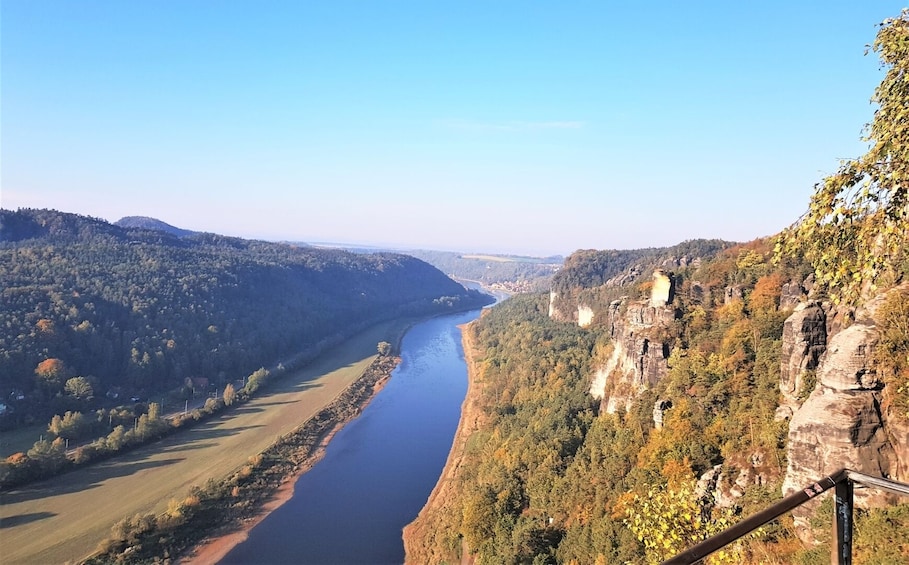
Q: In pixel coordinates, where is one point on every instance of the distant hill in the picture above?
(514, 273)
(146, 223)
(510, 272)
(139, 311)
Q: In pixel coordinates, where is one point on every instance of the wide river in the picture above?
(379, 470)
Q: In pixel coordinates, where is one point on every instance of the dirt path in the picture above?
(64, 519)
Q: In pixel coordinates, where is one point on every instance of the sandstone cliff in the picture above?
(639, 353)
(844, 422)
(804, 341)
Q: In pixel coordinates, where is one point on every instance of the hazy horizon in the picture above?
(511, 128)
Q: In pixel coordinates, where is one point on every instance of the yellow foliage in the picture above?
(668, 519)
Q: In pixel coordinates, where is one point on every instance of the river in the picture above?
(379, 470)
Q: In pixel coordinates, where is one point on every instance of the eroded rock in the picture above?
(804, 341)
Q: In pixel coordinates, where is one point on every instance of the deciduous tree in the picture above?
(855, 229)
(80, 388)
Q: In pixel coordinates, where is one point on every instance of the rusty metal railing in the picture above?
(842, 481)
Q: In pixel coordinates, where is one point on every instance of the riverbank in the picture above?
(64, 520)
(306, 447)
(222, 541)
(419, 536)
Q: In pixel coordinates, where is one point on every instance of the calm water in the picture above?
(379, 470)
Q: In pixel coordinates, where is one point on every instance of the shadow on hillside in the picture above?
(209, 432)
(304, 386)
(19, 519)
(186, 447)
(83, 479)
(266, 404)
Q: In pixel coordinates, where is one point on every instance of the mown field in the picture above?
(65, 519)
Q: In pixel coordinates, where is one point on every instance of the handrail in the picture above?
(842, 480)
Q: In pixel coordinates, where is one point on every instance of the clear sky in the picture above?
(523, 127)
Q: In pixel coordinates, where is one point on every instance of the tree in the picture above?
(71, 426)
(855, 229)
(50, 456)
(229, 394)
(671, 517)
(384, 348)
(80, 388)
(51, 373)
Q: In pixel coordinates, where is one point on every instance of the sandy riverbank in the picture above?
(348, 406)
(419, 534)
(215, 547)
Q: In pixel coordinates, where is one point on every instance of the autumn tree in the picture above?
(80, 388)
(51, 374)
(855, 230)
(672, 516)
(229, 394)
(70, 426)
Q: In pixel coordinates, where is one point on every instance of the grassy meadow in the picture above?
(64, 519)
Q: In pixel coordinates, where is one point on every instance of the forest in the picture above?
(549, 474)
(94, 314)
(552, 478)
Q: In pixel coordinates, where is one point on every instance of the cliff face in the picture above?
(638, 359)
(804, 341)
(843, 422)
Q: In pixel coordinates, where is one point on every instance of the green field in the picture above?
(64, 519)
(21, 439)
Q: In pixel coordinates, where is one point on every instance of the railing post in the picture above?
(842, 523)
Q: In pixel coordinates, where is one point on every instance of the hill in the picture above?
(135, 311)
(506, 272)
(146, 223)
(592, 426)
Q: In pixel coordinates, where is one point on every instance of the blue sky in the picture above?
(522, 127)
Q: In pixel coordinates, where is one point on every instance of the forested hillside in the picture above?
(638, 410)
(89, 309)
(591, 268)
(547, 478)
(513, 273)
(593, 277)
(551, 476)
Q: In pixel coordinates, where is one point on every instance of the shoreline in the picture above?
(218, 544)
(442, 491)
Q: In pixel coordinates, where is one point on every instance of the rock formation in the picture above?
(843, 422)
(585, 315)
(804, 340)
(639, 356)
(661, 291)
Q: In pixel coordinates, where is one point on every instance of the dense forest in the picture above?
(549, 477)
(592, 268)
(92, 311)
(718, 428)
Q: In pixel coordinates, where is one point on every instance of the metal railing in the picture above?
(842, 481)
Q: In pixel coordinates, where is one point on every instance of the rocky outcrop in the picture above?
(727, 483)
(638, 358)
(661, 291)
(791, 295)
(659, 410)
(842, 423)
(804, 341)
(553, 311)
(585, 315)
